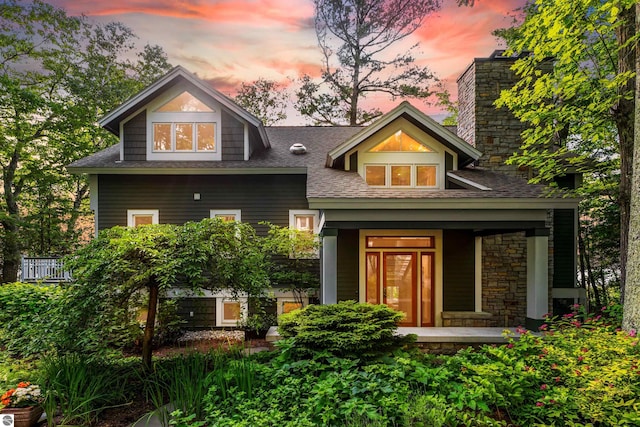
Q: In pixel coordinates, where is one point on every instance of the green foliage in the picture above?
(576, 94)
(265, 99)
(59, 74)
(123, 265)
(26, 319)
(346, 329)
(81, 387)
(355, 38)
(183, 381)
(295, 260)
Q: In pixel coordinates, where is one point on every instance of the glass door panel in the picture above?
(373, 278)
(427, 289)
(399, 286)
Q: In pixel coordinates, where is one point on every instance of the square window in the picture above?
(162, 137)
(401, 175)
(231, 311)
(376, 174)
(426, 176)
(184, 136)
(137, 217)
(206, 137)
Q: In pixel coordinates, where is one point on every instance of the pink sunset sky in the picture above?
(227, 42)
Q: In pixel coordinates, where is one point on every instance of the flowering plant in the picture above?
(25, 394)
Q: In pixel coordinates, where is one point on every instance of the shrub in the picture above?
(26, 317)
(347, 329)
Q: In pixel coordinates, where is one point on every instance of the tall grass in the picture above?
(181, 383)
(81, 387)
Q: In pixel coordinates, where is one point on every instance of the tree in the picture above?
(576, 91)
(265, 99)
(355, 37)
(631, 308)
(123, 263)
(58, 74)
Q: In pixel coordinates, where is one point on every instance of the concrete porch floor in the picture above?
(458, 335)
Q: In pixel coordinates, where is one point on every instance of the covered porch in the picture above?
(460, 275)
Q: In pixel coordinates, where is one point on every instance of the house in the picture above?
(409, 213)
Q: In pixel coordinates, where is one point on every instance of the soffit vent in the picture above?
(298, 148)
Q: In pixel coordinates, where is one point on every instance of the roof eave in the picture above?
(133, 103)
(404, 108)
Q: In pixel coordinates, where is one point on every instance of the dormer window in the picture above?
(400, 142)
(183, 127)
(400, 156)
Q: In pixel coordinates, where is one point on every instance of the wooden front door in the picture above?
(403, 279)
(399, 284)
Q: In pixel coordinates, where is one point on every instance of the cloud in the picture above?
(291, 15)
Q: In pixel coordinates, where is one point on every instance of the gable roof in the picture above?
(111, 121)
(466, 153)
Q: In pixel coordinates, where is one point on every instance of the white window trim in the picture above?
(131, 213)
(414, 175)
(183, 117)
(316, 226)
(280, 303)
(244, 311)
(294, 212)
(237, 213)
(194, 122)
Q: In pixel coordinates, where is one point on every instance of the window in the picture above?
(230, 311)
(189, 137)
(401, 175)
(136, 217)
(376, 174)
(286, 305)
(400, 142)
(304, 220)
(425, 176)
(185, 102)
(308, 221)
(226, 214)
(181, 126)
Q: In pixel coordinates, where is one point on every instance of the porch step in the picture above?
(460, 335)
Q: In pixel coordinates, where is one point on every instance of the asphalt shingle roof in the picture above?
(323, 182)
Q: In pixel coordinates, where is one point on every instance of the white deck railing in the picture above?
(35, 269)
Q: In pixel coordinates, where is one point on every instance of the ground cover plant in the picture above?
(581, 370)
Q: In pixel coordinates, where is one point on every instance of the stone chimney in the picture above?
(495, 132)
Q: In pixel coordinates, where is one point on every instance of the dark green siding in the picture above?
(564, 248)
(135, 138)
(348, 265)
(448, 165)
(197, 313)
(458, 270)
(259, 197)
(353, 162)
(232, 137)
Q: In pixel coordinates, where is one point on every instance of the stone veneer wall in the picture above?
(504, 278)
(495, 132)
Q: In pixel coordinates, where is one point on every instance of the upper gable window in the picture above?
(401, 155)
(400, 142)
(182, 126)
(185, 102)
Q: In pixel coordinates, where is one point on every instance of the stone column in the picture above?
(537, 277)
(329, 262)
